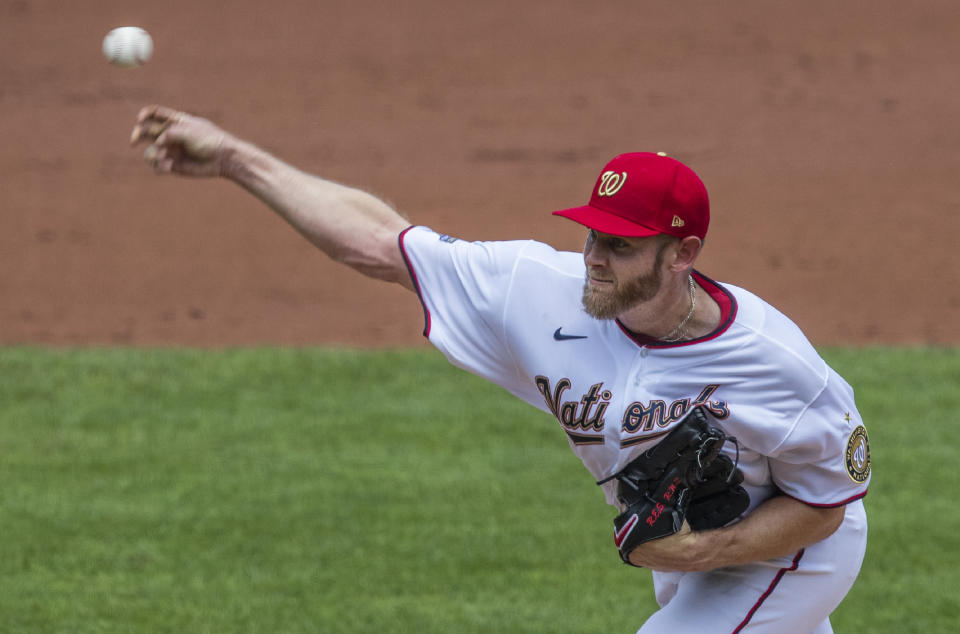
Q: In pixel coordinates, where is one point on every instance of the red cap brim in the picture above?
(606, 222)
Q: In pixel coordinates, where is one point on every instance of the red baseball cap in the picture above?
(645, 194)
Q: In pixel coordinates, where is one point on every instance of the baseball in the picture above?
(128, 46)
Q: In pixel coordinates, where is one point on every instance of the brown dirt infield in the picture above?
(825, 131)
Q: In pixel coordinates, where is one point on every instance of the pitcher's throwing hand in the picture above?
(181, 143)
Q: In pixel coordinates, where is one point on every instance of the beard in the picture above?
(622, 297)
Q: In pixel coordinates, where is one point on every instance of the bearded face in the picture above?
(622, 294)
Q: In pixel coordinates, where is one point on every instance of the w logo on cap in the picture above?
(610, 183)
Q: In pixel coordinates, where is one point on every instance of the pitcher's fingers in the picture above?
(159, 159)
(152, 121)
(149, 129)
(154, 153)
(161, 113)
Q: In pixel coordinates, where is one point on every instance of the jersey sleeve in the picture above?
(464, 287)
(825, 459)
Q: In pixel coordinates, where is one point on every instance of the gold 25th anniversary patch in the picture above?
(858, 455)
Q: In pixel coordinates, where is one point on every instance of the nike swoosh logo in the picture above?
(559, 336)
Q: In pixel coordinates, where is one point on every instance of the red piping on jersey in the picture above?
(769, 591)
(416, 282)
(728, 312)
(832, 505)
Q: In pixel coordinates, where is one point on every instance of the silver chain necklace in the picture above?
(677, 333)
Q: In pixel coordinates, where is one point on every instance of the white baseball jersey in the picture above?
(511, 312)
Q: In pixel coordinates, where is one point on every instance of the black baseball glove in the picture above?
(683, 477)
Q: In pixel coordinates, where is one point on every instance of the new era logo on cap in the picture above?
(644, 194)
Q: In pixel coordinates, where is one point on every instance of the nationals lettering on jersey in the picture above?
(584, 415)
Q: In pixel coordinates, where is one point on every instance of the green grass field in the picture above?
(312, 490)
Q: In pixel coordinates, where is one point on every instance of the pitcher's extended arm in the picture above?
(349, 225)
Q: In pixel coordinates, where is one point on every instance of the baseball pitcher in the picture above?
(733, 456)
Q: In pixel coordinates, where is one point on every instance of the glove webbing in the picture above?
(651, 464)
